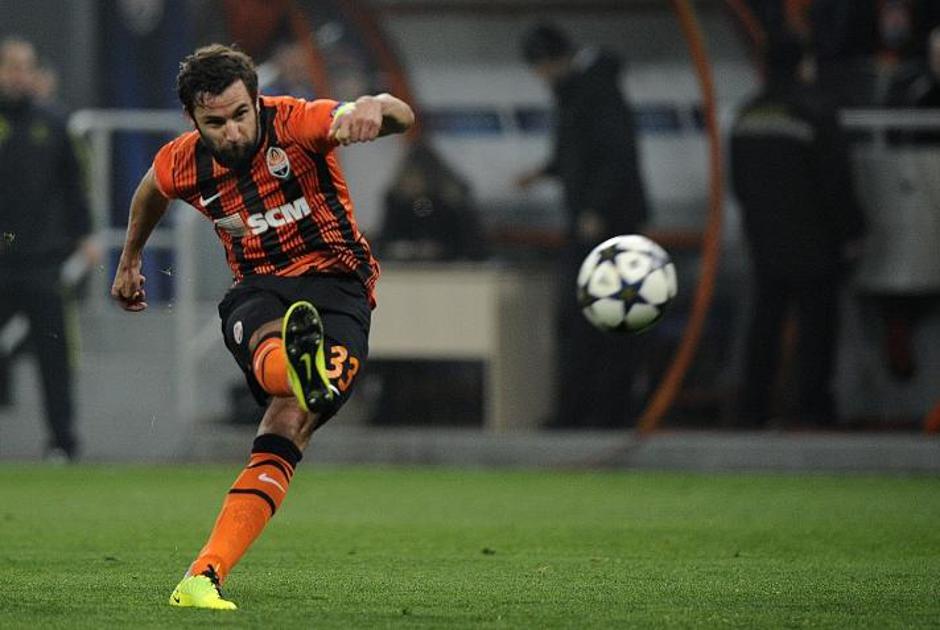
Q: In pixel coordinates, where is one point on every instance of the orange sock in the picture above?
(250, 504)
(270, 367)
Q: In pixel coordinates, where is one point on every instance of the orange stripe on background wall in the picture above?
(670, 385)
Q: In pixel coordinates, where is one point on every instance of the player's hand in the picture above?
(128, 286)
(357, 122)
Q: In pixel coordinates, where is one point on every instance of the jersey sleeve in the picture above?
(163, 171)
(309, 124)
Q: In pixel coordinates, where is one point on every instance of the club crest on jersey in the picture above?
(278, 164)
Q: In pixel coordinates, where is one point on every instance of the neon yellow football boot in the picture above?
(302, 332)
(201, 591)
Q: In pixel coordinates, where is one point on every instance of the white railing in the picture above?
(97, 127)
(881, 121)
(895, 119)
(193, 339)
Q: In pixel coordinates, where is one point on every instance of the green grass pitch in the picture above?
(360, 548)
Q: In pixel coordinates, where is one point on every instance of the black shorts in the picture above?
(343, 306)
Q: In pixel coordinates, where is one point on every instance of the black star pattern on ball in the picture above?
(609, 253)
(628, 293)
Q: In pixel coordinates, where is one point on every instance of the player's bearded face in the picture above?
(228, 125)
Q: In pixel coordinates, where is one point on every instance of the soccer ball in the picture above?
(626, 283)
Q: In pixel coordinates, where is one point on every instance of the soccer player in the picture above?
(264, 171)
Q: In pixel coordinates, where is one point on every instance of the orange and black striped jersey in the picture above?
(289, 213)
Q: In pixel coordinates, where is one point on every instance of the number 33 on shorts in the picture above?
(342, 368)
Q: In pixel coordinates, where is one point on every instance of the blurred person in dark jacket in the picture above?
(791, 175)
(429, 212)
(43, 219)
(595, 158)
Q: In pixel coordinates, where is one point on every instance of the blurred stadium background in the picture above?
(462, 349)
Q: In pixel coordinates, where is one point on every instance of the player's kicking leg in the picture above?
(302, 333)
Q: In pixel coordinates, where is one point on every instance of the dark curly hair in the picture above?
(210, 71)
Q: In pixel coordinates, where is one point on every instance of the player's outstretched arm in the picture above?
(147, 208)
(371, 117)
